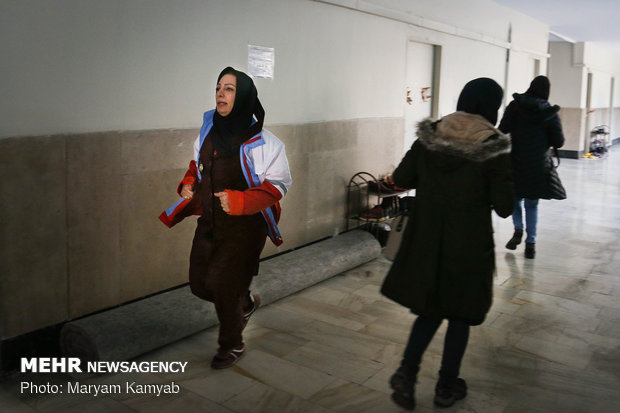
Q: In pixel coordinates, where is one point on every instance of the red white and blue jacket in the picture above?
(266, 171)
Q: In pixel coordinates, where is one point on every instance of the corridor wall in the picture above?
(102, 101)
(582, 82)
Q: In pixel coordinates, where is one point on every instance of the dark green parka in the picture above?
(460, 168)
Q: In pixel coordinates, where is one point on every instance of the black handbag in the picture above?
(554, 187)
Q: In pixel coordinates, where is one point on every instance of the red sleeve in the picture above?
(191, 176)
(253, 200)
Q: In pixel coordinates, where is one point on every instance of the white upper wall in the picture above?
(568, 81)
(522, 71)
(72, 66)
(453, 14)
(596, 57)
(460, 61)
(601, 89)
(570, 65)
(603, 65)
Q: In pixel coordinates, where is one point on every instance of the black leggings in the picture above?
(422, 332)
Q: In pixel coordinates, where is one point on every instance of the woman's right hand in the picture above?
(187, 192)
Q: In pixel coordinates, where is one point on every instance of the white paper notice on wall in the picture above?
(261, 61)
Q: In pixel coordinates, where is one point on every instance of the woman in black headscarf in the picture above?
(460, 168)
(238, 175)
(534, 126)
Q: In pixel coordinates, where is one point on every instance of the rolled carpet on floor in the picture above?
(125, 332)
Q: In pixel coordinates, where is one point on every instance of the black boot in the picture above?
(515, 240)
(530, 250)
(403, 384)
(446, 393)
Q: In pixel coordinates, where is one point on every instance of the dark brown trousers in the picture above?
(221, 272)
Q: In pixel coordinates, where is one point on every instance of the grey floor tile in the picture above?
(261, 398)
(186, 402)
(283, 374)
(337, 362)
(550, 343)
(343, 396)
(219, 386)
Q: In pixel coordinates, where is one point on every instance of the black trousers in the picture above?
(455, 343)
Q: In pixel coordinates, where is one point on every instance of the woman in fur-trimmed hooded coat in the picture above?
(460, 168)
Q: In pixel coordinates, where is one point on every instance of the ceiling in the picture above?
(574, 20)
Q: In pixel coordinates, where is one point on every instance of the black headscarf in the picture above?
(229, 132)
(481, 96)
(539, 88)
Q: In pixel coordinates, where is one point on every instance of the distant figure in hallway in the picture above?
(460, 168)
(534, 126)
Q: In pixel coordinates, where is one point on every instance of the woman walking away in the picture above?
(238, 175)
(460, 168)
(534, 126)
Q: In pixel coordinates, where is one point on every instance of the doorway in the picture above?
(610, 122)
(588, 121)
(422, 87)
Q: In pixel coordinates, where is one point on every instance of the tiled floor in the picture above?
(551, 342)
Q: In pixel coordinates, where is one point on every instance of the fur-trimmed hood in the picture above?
(463, 135)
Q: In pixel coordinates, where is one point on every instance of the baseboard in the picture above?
(570, 154)
(39, 343)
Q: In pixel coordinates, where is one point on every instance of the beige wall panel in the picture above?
(93, 221)
(573, 125)
(157, 150)
(323, 157)
(598, 117)
(153, 257)
(324, 137)
(380, 143)
(100, 243)
(33, 234)
(325, 192)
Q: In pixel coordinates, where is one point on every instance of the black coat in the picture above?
(446, 262)
(534, 126)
